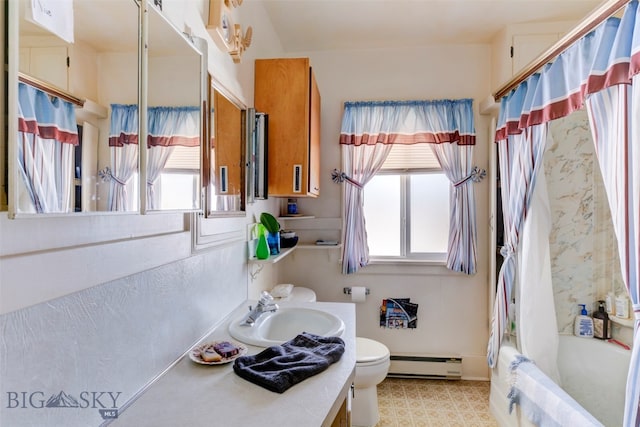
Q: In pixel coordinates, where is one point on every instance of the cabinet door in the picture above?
(50, 65)
(527, 47)
(283, 91)
(343, 417)
(314, 139)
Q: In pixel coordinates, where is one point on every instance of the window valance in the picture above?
(408, 122)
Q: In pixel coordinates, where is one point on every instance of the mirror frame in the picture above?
(4, 167)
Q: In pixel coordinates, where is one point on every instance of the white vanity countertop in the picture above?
(190, 394)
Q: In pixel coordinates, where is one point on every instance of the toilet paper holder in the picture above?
(347, 290)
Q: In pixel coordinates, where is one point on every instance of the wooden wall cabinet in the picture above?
(287, 91)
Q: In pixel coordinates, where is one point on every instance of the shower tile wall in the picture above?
(113, 338)
(584, 261)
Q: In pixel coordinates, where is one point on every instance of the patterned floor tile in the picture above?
(434, 403)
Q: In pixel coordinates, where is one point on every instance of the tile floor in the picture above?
(434, 403)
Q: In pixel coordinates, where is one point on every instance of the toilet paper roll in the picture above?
(358, 293)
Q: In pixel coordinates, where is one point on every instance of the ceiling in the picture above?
(312, 25)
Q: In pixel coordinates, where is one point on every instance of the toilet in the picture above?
(372, 365)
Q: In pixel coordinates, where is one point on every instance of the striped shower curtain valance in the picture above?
(609, 55)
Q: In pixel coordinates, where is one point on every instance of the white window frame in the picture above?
(427, 258)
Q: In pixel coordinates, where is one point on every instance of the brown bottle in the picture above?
(601, 323)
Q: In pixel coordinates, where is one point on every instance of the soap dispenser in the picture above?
(583, 325)
(601, 322)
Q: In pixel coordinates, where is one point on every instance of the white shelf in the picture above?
(287, 218)
(314, 246)
(629, 323)
(273, 258)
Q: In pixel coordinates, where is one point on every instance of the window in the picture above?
(406, 207)
(181, 172)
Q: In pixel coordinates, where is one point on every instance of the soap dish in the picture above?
(195, 353)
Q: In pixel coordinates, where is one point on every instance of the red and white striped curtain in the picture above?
(600, 70)
(123, 142)
(168, 127)
(47, 136)
(616, 136)
(368, 131)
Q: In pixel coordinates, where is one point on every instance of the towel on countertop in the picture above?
(543, 401)
(280, 367)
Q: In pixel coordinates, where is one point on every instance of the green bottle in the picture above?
(262, 249)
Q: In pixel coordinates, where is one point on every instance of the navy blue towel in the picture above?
(280, 367)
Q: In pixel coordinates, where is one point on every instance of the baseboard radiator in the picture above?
(413, 366)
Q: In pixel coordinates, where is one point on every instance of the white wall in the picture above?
(453, 314)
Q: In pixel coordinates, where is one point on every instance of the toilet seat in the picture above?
(370, 352)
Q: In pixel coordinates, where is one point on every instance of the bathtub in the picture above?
(592, 372)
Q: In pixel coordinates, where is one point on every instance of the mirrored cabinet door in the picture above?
(225, 193)
(77, 130)
(174, 110)
(72, 108)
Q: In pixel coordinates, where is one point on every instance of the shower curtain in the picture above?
(601, 70)
(536, 313)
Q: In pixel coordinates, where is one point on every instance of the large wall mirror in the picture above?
(87, 76)
(74, 74)
(226, 152)
(176, 89)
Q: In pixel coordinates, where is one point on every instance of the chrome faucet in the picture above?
(265, 305)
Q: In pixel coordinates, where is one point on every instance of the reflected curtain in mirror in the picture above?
(47, 135)
(174, 136)
(173, 142)
(123, 143)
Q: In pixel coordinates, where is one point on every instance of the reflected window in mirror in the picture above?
(174, 117)
(64, 168)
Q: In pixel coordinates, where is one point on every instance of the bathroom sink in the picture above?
(285, 324)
